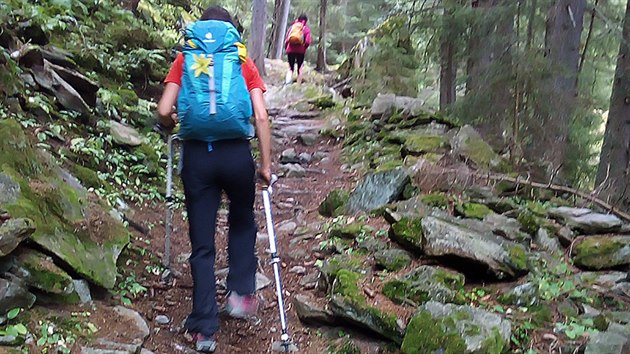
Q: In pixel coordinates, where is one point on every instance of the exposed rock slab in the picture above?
(586, 220)
(502, 258)
(309, 312)
(124, 134)
(14, 294)
(378, 189)
(468, 143)
(426, 283)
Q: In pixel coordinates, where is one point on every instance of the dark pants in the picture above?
(296, 58)
(228, 167)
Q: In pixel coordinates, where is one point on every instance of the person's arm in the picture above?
(307, 34)
(168, 118)
(263, 132)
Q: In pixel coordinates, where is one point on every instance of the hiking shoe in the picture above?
(244, 307)
(204, 344)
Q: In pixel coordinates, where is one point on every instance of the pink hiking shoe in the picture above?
(244, 307)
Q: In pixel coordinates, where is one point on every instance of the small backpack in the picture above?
(296, 35)
(214, 103)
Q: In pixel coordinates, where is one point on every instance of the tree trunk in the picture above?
(257, 34)
(448, 68)
(479, 46)
(613, 174)
(321, 47)
(562, 47)
(280, 28)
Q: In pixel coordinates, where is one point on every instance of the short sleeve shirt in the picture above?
(250, 73)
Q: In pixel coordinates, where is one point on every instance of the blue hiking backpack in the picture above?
(213, 102)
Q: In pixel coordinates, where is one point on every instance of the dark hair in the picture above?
(217, 13)
(303, 18)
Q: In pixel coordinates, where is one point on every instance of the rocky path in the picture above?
(308, 165)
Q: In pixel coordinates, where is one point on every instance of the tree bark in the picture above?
(321, 46)
(479, 46)
(613, 174)
(257, 34)
(562, 47)
(448, 68)
(280, 28)
(530, 24)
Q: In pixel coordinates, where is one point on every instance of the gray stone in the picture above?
(124, 134)
(522, 295)
(82, 288)
(262, 281)
(40, 272)
(13, 232)
(307, 139)
(9, 189)
(292, 170)
(481, 331)
(10, 341)
(310, 279)
(378, 189)
(506, 227)
(286, 227)
(299, 270)
(14, 294)
(298, 254)
(608, 342)
(503, 258)
(426, 283)
(386, 104)
(547, 242)
(146, 351)
(392, 259)
(565, 236)
(162, 320)
(141, 331)
(88, 350)
(278, 346)
(372, 244)
(383, 105)
(289, 156)
(602, 279)
(585, 220)
(305, 158)
(309, 312)
(320, 155)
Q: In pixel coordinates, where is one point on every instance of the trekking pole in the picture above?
(166, 261)
(275, 261)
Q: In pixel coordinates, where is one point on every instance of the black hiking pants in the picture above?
(227, 166)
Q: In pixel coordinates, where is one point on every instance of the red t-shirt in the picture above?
(250, 73)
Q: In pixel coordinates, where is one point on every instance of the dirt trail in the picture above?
(295, 203)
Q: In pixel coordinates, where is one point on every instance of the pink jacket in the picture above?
(300, 48)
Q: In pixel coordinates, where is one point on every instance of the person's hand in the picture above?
(265, 175)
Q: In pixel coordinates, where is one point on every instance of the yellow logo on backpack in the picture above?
(296, 35)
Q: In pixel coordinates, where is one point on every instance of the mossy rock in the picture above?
(88, 177)
(436, 200)
(334, 204)
(332, 266)
(44, 274)
(418, 145)
(602, 252)
(452, 329)
(392, 259)
(408, 233)
(70, 223)
(473, 210)
(426, 283)
(530, 223)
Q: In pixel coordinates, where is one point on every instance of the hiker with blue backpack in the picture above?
(216, 89)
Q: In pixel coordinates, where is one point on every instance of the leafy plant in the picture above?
(129, 289)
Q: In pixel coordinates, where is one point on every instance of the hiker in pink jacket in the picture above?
(298, 39)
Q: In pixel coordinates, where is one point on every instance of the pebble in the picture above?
(298, 270)
(162, 320)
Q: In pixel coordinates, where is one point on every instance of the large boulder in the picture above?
(585, 220)
(408, 233)
(12, 232)
(392, 259)
(335, 203)
(447, 328)
(378, 189)
(445, 238)
(602, 252)
(426, 283)
(14, 294)
(309, 311)
(70, 223)
(616, 338)
(468, 143)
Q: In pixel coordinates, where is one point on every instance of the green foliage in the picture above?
(129, 289)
